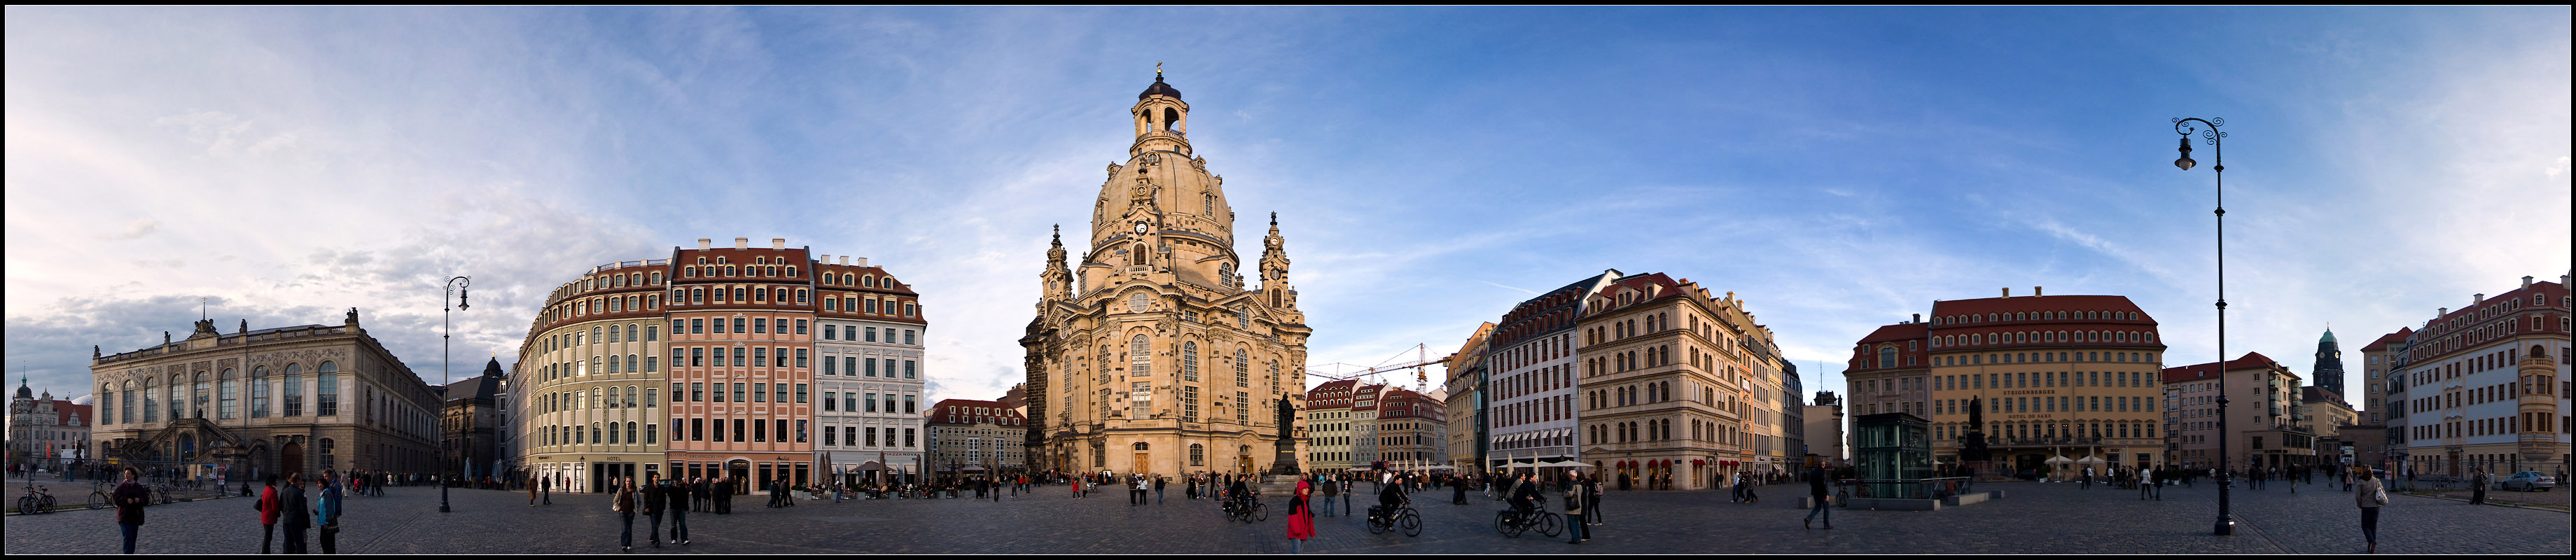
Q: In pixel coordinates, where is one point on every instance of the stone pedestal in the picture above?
(1285, 464)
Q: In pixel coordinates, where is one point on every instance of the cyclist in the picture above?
(1239, 495)
(1524, 497)
(1389, 498)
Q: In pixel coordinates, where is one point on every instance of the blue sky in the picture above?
(1838, 168)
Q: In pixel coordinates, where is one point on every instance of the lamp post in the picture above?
(2226, 524)
(455, 287)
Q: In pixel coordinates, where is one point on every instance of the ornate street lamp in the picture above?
(455, 287)
(2226, 524)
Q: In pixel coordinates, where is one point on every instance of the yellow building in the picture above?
(1150, 352)
(2056, 376)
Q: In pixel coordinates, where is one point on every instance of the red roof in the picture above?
(2042, 303)
(63, 411)
(2385, 340)
(963, 411)
(1902, 331)
(2252, 360)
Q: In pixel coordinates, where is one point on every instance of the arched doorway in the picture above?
(290, 459)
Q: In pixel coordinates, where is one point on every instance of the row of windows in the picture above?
(853, 402)
(603, 365)
(610, 281)
(2043, 379)
(223, 396)
(2035, 357)
(1534, 410)
(867, 367)
(2487, 426)
(869, 334)
(2041, 336)
(2036, 316)
(852, 435)
(717, 271)
(605, 397)
(602, 335)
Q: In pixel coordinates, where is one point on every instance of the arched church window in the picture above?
(1136, 303)
(1172, 120)
(1190, 361)
(1140, 357)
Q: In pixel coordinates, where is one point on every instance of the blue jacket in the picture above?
(328, 505)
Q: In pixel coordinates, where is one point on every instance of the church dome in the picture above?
(1159, 88)
(24, 393)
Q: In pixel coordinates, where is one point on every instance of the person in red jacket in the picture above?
(268, 507)
(130, 497)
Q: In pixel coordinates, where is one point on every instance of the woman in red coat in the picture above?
(1301, 521)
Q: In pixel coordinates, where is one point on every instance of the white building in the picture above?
(872, 400)
(1532, 384)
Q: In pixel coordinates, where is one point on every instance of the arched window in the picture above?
(791, 271)
(1198, 455)
(1242, 368)
(1190, 361)
(1140, 357)
(800, 296)
(1140, 446)
(869, 281)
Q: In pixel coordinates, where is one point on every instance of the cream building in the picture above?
(1464, 400)
(1150, 352)
(313, 397)
(1669, 380)
(2487, 383)
(590, 379)
(2262, 427)
(2071, 376)
(1328, 426)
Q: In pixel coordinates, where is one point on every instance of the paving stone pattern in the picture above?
(2034, 518)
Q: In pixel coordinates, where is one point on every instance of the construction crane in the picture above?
(1421, 379)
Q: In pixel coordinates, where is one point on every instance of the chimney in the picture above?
(845, 260)
(825, 259)
(703, 243)
(2007, 292)
(2476, 298)
(742, 243)
(778, 243)
(863, 262)
(2034, 292)
(1918, 318)
(2443, 313)
(2526, 281)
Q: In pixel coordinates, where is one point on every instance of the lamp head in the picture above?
(2185, 161)
(461, 295)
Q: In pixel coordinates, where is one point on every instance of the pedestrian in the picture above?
(1077, 488)
(268, 509)
(676, 500)
(1301, 519)
(1158, 489)
(1457, 490)
(1749, 496)
(1592, 499)
(2479, 480)
(546, 490)
(724, 494)
(130, 497)
(2147, 485)
(1346, 497)
(1576, 530)
(298, 514)
(2370, 494)
(327, 506)
(1329, 489)
(652, 501)
(624, 505)
(1818, 502)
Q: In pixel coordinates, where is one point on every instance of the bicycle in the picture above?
(1546, 522)
(1251, 511)
(1404, 518)
(98, 496)
(36, 501)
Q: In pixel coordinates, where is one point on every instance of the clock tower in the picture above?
(1161, 356)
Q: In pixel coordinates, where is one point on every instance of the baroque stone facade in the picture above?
(314, 397)
(1149, 352)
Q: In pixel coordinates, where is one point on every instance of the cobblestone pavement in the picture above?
(2033, 518)
(2554, 497)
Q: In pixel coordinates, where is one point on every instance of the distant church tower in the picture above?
(1151, 350)
(2328, 372)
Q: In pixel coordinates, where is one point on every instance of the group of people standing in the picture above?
(656, 498)
(290, 508)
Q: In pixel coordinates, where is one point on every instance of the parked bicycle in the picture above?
(98, 494)
(36, 501)
(1404, 518)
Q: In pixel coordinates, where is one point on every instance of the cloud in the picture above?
(141, 227)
